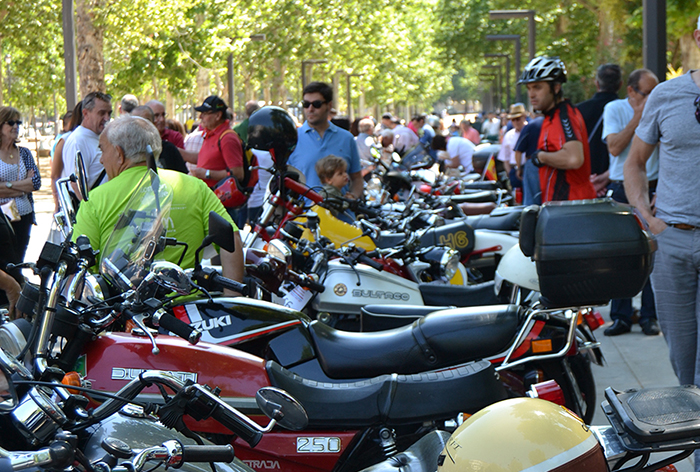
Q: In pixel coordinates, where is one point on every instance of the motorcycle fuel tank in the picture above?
(111, 361)
(345, 295)
(230, 321)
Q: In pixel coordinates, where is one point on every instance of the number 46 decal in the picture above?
(318, 445)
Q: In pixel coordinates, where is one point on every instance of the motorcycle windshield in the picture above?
(139, 234)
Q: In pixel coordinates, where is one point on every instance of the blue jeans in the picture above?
(621, 309)
(532, 194)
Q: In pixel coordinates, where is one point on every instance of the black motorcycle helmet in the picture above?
(272, 129)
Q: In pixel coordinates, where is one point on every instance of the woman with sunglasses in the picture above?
(19, 177)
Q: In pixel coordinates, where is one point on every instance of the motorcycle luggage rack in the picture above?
(571, 316)
(655, 419)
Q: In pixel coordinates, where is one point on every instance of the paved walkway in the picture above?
(633, 360)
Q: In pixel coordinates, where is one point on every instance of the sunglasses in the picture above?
(14, 122)
(697, 109)
(315, 103)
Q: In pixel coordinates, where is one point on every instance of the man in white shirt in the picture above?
(97, 111)
(460, 151)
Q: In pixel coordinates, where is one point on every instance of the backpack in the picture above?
(232, 192)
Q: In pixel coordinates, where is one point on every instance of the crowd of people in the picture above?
(636, 149)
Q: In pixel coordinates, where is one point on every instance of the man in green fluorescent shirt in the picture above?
(124, 153)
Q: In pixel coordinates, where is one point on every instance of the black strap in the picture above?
(99, 180)
(595, 128)
(423, 344)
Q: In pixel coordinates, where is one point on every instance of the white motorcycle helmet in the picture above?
(522, 434)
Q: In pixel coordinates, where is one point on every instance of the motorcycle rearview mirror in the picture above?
(282, 407)
(220, 233)
(82, 175)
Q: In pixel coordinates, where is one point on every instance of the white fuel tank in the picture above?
(344, 296)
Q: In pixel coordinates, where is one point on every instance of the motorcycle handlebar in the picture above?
(371, 262)
(177, 326)
(229, 417)
(209, 453)
(228, 283)
(302, 190)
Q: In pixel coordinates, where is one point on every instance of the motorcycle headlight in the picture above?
(450, 263)
(375, 190)
(280, 250)
(444, 261)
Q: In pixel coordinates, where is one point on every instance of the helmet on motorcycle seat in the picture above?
(522, 434)
(272, 129)
(544, 69)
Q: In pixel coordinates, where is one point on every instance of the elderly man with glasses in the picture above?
(671, 121)
(620, 119)
(318, 138)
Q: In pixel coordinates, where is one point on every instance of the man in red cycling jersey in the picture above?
(562, 153)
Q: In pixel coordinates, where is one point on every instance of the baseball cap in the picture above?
(212, 103)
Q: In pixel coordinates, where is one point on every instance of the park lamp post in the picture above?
(489, 78)
(529, 14)
(229, 73)
(516, 39)
(507, 57)
(499, 86)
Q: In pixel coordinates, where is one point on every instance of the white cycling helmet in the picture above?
(544, 69)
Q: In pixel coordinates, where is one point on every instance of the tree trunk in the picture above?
(203, 86)
(89, 41)
(280, 91)
(690, 53)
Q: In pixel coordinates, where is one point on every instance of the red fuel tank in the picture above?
(116, 358)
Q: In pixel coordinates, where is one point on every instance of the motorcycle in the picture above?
(352, 424)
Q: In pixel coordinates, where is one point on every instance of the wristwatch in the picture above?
(535, 159)
(207, 174)
(8, 184)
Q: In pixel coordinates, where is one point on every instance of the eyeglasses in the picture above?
(640, 92)
(14, 122)
(315, 103)
(697, 109)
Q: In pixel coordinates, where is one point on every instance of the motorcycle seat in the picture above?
(388, 240)
(497, 220)
(459, 295)
(392, 399)
(441, 339)
(381, 317)
(480, 185)
(479, 196)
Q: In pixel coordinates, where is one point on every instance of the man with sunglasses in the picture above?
(671, 120)
(620, 119)
(318, 138)
(97, 111)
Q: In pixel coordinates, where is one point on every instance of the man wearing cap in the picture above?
(318, 138)
(506, 154)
